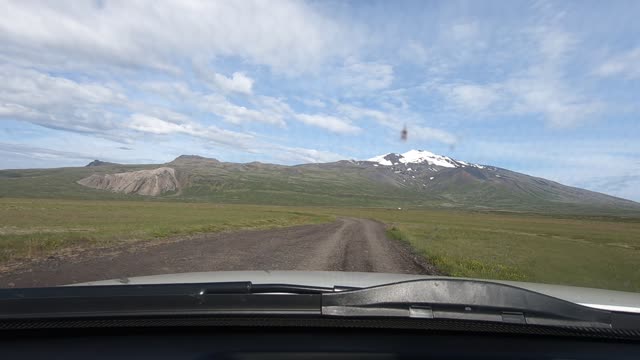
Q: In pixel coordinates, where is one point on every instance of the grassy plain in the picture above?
(602, 252)
(37, 227)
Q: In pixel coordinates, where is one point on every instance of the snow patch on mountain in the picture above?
(421, 157)
(381, 160)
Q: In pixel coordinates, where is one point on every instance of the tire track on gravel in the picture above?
(348, 244)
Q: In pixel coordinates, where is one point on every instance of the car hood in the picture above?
(596, 298)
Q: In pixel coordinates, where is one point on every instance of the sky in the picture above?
(546, 88)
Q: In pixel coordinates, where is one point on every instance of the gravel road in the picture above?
(345, 245)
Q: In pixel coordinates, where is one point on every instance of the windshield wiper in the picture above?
(221, 298)
(425, 299)
(247, 287)
(470, 300)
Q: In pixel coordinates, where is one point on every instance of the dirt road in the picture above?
(345, 245)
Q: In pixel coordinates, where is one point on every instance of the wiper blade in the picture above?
(241, 287)
(247, 287)
(470, 300)
(226, 298)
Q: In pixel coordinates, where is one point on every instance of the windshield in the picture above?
(491, 140)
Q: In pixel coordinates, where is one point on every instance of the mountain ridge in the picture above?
(99, 163)
(415, 178)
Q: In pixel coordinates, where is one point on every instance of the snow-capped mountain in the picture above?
(427, 171)
(421, 157)
(412, 179)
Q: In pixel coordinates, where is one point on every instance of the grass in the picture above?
(601, 252)
(38, 227)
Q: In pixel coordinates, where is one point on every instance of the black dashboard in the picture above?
(262, 340)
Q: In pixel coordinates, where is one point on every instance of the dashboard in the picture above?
(290, 342)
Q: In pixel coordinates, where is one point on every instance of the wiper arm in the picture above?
(470, 300)
(247, 287)
(227, 298)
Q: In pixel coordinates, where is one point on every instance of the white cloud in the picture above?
(166, 114)
(546, 94)
(464, 31)
(539, 91)
(22, 85)
(57, 102)
(396, 122)
(238, 114)
(626, 64)
(414, 52)
(101, 110)
(366, 76)
(330, 123)
(40, 152)
(471, 96)
(314, 102)
(553, 44)
(544, 88)
(356, 112)
(265, 109)
(238, 82)
(96, 109)
(541, 88)
(428, 134)
(273, 105)
(172, 90)
(296, 155)
(285, 35)
(238, 141)
(9, 111)
(77, 152)
(153, 125)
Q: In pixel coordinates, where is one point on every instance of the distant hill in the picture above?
(99, 163)
(413, 179)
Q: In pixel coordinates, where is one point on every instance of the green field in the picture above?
(36, 227)
(601, 252)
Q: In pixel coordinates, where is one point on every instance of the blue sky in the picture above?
(546, 88)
